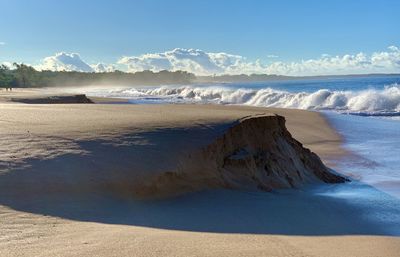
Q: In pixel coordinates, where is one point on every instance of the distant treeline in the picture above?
(26, 76)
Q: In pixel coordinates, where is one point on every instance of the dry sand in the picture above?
(47, 221)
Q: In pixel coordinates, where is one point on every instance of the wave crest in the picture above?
(371, 101)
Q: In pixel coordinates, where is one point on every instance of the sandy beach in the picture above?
(49, 207)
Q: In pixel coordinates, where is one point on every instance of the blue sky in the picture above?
(105, 31)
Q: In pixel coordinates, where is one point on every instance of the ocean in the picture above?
(366, 96)
(364, 110)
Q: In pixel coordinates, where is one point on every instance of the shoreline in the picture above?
(225, 223)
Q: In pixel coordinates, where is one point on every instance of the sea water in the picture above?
(364, 110)
(369, 96)
(377, 141)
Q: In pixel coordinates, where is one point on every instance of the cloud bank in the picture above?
(192, 60)
(378, 62)
(71, 62)
(203, 63)
(64, 62)
(207, 63)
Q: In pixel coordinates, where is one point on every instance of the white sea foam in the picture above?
(366, 102)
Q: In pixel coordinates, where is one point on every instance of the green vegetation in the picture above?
(26, 76)
(7, 78)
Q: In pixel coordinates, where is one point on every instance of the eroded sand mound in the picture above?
(257, 152)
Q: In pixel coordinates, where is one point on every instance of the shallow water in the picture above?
(377, 141)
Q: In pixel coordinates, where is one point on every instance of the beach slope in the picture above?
(49, 207)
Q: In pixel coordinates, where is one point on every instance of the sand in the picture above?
(40, 143)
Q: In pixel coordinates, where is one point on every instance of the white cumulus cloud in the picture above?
(191, 60)
(71, 62)
(378, 62)
(8, 64)
(101, 67)
(64, 62)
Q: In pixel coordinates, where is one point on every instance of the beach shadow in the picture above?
(341, 209)
(289, 212)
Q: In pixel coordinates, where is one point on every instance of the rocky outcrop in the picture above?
(57, 99)
(257, 152)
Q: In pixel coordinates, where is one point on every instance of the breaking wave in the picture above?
(374, 102)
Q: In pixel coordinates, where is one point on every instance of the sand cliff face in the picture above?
(257, 152)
